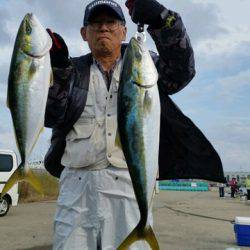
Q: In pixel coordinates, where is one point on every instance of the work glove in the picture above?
(147, 12)
(59, 54)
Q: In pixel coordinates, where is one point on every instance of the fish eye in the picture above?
(28, 29)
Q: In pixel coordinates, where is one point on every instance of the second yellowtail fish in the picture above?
(139, 128)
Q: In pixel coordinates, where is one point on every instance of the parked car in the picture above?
(8, 164)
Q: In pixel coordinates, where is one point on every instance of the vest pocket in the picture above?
(89, 110)
(80, 149)
(83, 129)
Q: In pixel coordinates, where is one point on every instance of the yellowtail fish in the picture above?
(139, 128)
(28, 84)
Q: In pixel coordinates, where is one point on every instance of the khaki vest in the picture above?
(91, 142)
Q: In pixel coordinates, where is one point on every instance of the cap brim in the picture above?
(101, 8)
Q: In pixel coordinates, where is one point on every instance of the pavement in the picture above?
(182, 220)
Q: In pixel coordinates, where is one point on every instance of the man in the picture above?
(221, 190)
(96, 205)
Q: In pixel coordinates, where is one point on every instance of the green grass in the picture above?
(50, 188)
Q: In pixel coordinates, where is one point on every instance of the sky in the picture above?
(217, 99)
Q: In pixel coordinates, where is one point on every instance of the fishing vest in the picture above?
(91, 142)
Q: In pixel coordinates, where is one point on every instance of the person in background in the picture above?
(221, 190)
(248, 187)
(233, 186)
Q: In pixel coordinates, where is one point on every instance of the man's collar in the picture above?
(99, 65)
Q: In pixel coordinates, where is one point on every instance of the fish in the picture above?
(138, 117)
(29, 79)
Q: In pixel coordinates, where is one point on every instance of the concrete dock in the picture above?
(182, 220)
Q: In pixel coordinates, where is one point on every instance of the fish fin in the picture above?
(14, 178)
(41, 130)
(118, 140)
(32, 70)
(151, 239)
(138, 234)
(132, 237)
(147, 102)
(22, 175)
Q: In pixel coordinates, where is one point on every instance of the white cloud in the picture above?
(225, 43)
(231, 138)
(202, 19)
(3, 89)
(231, 90)
(3, 29)
(234, 156)
(236, 82)
(5, 58)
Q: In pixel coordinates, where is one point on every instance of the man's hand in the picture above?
(59, 54)
(147, 12)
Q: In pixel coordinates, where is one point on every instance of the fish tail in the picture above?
(14, 178)
(22, 175)
(146, 234)
(34, 181)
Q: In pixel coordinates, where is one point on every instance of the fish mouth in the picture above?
(31, 18)
(39, 42)
(33, 55)
(136, 44)
(143, 86)
(135, 41)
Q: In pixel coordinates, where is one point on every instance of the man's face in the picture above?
(104, 34)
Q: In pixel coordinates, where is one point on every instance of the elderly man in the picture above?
(96, 204)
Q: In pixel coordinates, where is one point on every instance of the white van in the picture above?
(8, 164)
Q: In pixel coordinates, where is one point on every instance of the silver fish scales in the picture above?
(28, 85)
(139, 128)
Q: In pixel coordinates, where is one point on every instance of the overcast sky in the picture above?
(217, 99)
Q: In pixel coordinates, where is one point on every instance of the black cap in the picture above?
(99, 4)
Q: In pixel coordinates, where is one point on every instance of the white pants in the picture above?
(96, 210)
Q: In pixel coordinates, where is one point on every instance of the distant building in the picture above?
(36, 164)
(239, 175)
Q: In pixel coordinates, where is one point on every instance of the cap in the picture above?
(98, 4)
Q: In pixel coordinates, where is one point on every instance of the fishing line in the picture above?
(197, 215)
